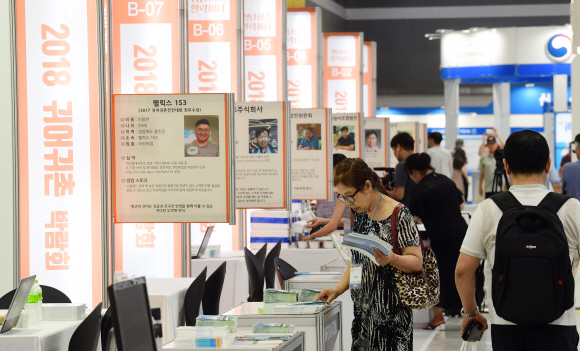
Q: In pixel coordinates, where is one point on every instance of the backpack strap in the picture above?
(553, 202)
(505, 201)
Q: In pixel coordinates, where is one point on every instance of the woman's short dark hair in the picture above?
(355, 172)
(436, 136)
(343, 129)
(404, 140)
(370, 132)
(526, 152)
(261, 130)
(459, 159)
(418, 162)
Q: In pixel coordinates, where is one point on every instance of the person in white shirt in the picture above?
(441, 159)
(527, 163)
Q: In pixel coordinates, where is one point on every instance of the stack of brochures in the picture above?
(261, 339)
(218, 321)
(268, 328)
(193, 337)
(280, 296)
(300, 308)
(58, 312)
(365, 244)
(308, 294)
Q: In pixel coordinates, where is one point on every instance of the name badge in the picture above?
(355, 277)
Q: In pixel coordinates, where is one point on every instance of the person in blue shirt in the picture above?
(309, 141)
(346, 141)
(571, 173)
(263, 139)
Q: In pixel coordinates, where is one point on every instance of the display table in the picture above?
(46, 336)
(168, 295)
(322, 330)
(236, 283)
(295, 343)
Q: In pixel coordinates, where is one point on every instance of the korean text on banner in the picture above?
(347, 132)
(177, 166)
(58, 121)
(303, 39)
(370, 78)
(377, 142)
(310, 135)
(214, 47)
(265, 50)
(343, 83)
(261, 154)
(145, 46)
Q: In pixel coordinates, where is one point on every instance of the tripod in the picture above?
(497, 184)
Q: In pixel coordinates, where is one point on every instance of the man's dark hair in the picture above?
(526, 152)
(202, 121)
(343, 129)
(371, 132)
(436, 136)
(404, 140)
(308, 128)
(261, 130)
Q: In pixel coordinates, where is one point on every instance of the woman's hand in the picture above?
(308, 237)
(381, 258)
(316, 222)
(328, 295)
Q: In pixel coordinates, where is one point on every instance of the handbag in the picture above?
(418, 290)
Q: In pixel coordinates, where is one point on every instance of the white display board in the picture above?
(311, 135)
(261, 154)
(347, 134)
(304, 42)
(173, 164)
(265, 50)
(343, 81)
(377, 141)
(370, 79)
(58, 146)
(214, 48)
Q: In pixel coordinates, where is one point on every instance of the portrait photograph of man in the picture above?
(201, 136)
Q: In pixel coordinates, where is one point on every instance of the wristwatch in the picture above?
(469, 315)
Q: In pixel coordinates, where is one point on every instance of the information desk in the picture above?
(322, 330)
(46, 336)
(316, 281)
(296, 343)
(168, 295)
(236, 283)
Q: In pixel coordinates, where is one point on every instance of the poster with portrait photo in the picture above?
(261, 155)
(263, 136)
(309, 136)
(201, 136)
(376, 141)
(346, 134)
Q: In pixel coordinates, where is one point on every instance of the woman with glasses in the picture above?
(381, 322)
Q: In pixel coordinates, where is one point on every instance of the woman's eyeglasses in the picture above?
(350, 198)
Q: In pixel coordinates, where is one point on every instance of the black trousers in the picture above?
(534, 337)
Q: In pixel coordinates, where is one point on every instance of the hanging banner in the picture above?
(265, 50)
(377, 142)
(370, 78)
(343, 82)
(311, 154)
(261, 154)
(403, 127)
(214, 51)
(58, 125)
(347, 132)
(173, 164)
(303, 40)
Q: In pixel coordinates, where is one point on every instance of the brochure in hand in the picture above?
(365, 243)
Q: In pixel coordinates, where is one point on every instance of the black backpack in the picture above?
(532, 280)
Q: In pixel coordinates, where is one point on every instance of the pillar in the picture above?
(451, 92)
(501, 109)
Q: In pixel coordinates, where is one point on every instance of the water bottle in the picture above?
(32, 306)
(346, 226)
(39, 289)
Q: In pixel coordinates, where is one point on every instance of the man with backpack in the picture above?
(531, 238)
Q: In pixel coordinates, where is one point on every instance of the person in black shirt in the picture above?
(346, 141)
(437, 201)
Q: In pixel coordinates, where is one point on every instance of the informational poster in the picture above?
(370, 78)
(343, 81)
(145, 46)
(377, 142)
(265, 50)
(173, 164)
(347, 134)
(304, 44)
(214, 48)
(261, 154)
(403, 127)
(312, 143)
(58, 146)
(422, 138)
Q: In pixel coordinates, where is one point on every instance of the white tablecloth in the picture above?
(168, 294)
(236, 285)
(46, 336)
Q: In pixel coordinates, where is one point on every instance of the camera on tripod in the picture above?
(499, 175)
(389, 178)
